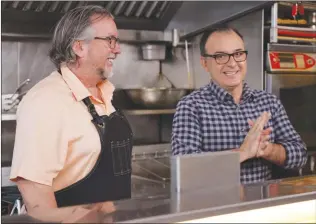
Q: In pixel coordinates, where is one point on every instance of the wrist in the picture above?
(278, 154)
(275, 153)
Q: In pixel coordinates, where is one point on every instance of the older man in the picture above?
(72, 146)
(218, 116)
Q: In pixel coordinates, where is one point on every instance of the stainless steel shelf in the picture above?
(149, 112)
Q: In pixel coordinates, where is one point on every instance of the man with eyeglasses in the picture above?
(72, 145)
(227, 114)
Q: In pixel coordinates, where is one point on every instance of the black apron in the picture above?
(110, 179)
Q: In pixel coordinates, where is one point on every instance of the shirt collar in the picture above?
(218, 91)
(247, 93)
(223, 95)
(79, 90)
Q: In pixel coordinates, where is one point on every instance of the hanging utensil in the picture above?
(188, 65)
(163, 81)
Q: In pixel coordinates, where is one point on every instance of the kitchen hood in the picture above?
(38, 18)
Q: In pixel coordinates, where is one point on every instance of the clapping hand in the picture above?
(255, 137)
(265, 146)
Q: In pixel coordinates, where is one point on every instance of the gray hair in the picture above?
(74, 25)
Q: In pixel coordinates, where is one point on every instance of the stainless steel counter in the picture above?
(221, 201)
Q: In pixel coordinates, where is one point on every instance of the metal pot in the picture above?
(154, 51)
(157, 98)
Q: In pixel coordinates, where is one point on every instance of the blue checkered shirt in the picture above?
(208, 120)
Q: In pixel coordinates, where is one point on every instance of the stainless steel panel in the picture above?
(210, 13)
(190, 201)
(209, 170)
(211, 173)
(9, 65)
(274, 82)
(274, 23)
(292, 48)
(5, 177)
(34, 62)
(7, 142)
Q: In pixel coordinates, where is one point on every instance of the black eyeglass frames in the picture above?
(223, 58)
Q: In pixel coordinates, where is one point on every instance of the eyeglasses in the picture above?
(223, 58)
(112, 40)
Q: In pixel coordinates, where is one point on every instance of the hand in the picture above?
(252, 142)
(265, 146)
(270, 151)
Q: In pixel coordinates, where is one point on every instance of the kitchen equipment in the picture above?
(10, 101)
(10, 200)
(151, 173)
(15, 102)
(190, 81)
(156, 98)
(17, 91)
(175, 37)
(163, 80)
(280, 61)
(163, 95)
(154, 51)
(291, 76)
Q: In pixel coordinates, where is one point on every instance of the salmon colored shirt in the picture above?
(56, 143)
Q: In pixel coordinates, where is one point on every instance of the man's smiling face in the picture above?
(229, 75)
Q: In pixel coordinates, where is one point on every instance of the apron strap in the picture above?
(92, 111)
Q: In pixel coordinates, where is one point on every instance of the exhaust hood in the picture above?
(38, 18)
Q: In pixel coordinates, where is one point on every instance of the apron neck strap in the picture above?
(92, 110)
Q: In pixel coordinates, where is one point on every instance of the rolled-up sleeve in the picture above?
(186, 134)
(40, 147)
(286, 135)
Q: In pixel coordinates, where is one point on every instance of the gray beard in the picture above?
(105, 75)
